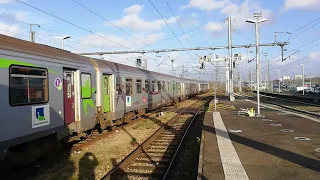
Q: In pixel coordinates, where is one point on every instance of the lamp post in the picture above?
(257, 22)
(302, 79)
(62, 40)
(32, 33)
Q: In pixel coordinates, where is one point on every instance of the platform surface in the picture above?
(265, 151)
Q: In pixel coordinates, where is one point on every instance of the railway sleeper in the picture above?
(167, 151)
(149, 164)
(145, 171)
(154, 159)
(137, 176)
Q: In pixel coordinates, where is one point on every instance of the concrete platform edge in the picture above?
(200, 172)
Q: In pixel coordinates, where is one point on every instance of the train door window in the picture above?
(173, 86)
(118, 86)
(28, 85)
(147, 85)
(106, 85)
(154, 86)
(159, 86)
(139, 86)
(168, 86)
(129, 86)
(164, 88)
(85, 86)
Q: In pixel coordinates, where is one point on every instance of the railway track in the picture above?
(78, 145)
(293, 105)
(154, 157)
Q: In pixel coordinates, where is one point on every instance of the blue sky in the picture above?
(204, 18)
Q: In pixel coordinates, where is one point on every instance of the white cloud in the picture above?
(194, 15)
(5, 1)
(128, 42)
(248, 8)
(17, 15)
(301, 4)
(238, 18)
(132, 20)
(314, 55)
(134, 9)
(206, 5)
(9, 30)
(185, 21)
(215, 26)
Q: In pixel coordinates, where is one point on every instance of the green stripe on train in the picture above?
(5, 63)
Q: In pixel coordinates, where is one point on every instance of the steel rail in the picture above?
(127, 160)
(177, 150)
(280, 105)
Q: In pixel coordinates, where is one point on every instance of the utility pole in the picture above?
(257, 22)
(279, 80)
(250, 80)
(172, 67)
(231, 95)
(268, 86)
(182, 71)
(227, 77)
(240, 85)
(310, 80)
(302, 79)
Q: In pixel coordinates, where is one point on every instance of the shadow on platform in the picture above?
(272, 150)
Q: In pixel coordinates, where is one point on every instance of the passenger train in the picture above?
(47, 94)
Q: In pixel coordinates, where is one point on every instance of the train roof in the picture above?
(22, 46)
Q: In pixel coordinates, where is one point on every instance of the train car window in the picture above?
(154, 86)
(147, 86)
(139, 86)
(106, 85)
(129, 89)
(164, 88)
(118, 86)
(86, 86)
(173, 86)
(28, 85)
(168, 86)
(159, 86)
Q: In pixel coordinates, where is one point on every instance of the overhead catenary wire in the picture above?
(196, 29)
(68, 22)
(274, 59)
(298, 29)
(305, 30)
(73, 24)
(109, 22)
(51, 31)
(171, 30)
(179, 24)
(238, 13)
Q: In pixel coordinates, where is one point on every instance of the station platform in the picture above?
(242, 147)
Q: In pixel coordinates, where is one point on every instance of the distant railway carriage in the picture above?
(47, 94)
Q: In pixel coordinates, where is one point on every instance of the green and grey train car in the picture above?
(48, 94)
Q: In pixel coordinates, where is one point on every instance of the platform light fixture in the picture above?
(62, 40)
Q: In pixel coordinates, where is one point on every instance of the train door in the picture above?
(106, 92)
(68, 95)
